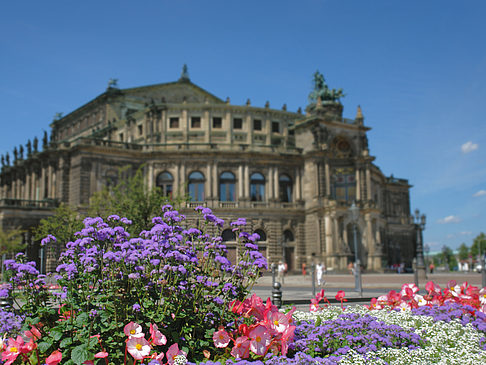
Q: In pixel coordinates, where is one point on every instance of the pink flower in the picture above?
(88, 362)
(133, 330)
(260, 339)
(221, 338)
(101, 355)
(287, 337)
(172, 352)
(33, 333)
(138, 347)
(55, 358)
(277, 321)
(13, 350)
(157, 337)
(241, 349)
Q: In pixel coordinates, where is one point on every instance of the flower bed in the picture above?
(170, 296)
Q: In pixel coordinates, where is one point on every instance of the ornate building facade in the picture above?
(292, 175)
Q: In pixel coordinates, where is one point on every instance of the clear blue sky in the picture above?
(417, 68)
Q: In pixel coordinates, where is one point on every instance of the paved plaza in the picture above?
(299, 288)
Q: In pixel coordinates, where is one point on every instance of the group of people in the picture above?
(320, 271)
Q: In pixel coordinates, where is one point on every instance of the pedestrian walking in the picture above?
(320, 268)
(304, 269)
(281, 272)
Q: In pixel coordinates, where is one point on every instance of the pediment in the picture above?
(174, 92)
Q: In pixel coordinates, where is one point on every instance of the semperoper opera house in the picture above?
(292, 175)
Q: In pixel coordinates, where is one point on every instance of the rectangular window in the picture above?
(174, 122)
(217, 122)
(121, 137)
(140, 129)
(275, 127)
(195, 122)
(237, 123)
(257, 124)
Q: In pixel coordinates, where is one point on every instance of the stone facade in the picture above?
(292, 175)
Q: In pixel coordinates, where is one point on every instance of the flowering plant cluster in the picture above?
(261, 329)
(171, 274)
(409, 296)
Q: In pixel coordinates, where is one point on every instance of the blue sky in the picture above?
(417, 68)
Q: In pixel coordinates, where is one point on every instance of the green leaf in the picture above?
(66, 342)
(56, 334)
(81, 354)
(43, 346)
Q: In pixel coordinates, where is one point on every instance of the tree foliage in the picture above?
(130, 198)
(463, 252)
(479, 245)
(11, 240)
(63, 224)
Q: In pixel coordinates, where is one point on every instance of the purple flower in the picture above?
(136, 307)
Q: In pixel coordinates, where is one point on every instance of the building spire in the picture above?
(359, 115)
(184, 75)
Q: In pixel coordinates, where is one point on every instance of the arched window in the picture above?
(165, 182)
(196, 186)
(227, 183)
(285, 188)
(257, 187)
(228, 235)
(288, 235)
(262, 234)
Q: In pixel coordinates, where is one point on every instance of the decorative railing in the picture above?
(26, 203)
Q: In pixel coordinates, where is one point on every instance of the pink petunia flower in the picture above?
(277, 321)
(138, 347)
(133, 330)
(221, 338)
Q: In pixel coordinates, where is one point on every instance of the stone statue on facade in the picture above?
(35, 144)
(29, 147)
(16, 154)
(7, 159)
(45, 140)
(323, 91)
(3, 161)
(21, 152)
(112, 83)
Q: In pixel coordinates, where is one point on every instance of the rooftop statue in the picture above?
(322, 90)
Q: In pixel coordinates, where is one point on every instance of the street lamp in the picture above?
(419, 221)
(354, 211)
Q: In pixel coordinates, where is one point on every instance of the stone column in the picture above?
(240, 182)
(275, 181)
(209, 182)
(358, 185)
(269, 184)
(247, 182)
(328, 179)
(215, 181)
(368, 183)
(297, 194)
(150, 176)
(177, 180)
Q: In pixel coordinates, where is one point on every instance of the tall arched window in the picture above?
(196, 186)
(227, 183)
(285, 188)
(165, 182)
(344, 184)
(257, 187)
(228, 235)
(288, 236)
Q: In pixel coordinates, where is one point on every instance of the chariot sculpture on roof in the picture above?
(322, 91)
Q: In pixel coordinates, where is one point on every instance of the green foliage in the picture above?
(64, 223)
(11, 241)
(479, 245)
(130, 198)
(448, 258)
(463, 252)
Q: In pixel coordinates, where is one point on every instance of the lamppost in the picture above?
(419, 221)
(354, 211)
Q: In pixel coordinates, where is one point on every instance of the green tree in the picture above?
(448, 258)
(131, 198)
(463, 251)
(479, 245)
(10, 242)
(63, 224)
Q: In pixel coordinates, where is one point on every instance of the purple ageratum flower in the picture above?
(49, 238)
(113, 217)
(125, 221)
(166, 207)
(237, 223)
(136, 307)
